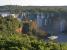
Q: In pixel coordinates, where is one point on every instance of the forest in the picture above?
(17, 9)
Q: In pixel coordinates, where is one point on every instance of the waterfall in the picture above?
(45, 21)
(39, 20)
(62, 25)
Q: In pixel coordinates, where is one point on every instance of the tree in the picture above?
(9, 24)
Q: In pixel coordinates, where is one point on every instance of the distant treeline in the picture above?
(18, 9)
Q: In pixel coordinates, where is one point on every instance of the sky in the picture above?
(34, 2)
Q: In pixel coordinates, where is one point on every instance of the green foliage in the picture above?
(25, 42)
(64, 46)
(9, 24)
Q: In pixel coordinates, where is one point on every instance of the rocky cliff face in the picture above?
(51, 22)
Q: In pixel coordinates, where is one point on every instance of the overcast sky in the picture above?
(34, 2)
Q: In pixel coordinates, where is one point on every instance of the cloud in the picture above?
(34, 2)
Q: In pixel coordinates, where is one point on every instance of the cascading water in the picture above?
(62, 25)
(61, 22)
(39, 20)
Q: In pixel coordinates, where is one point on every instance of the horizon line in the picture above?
(32, 5)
